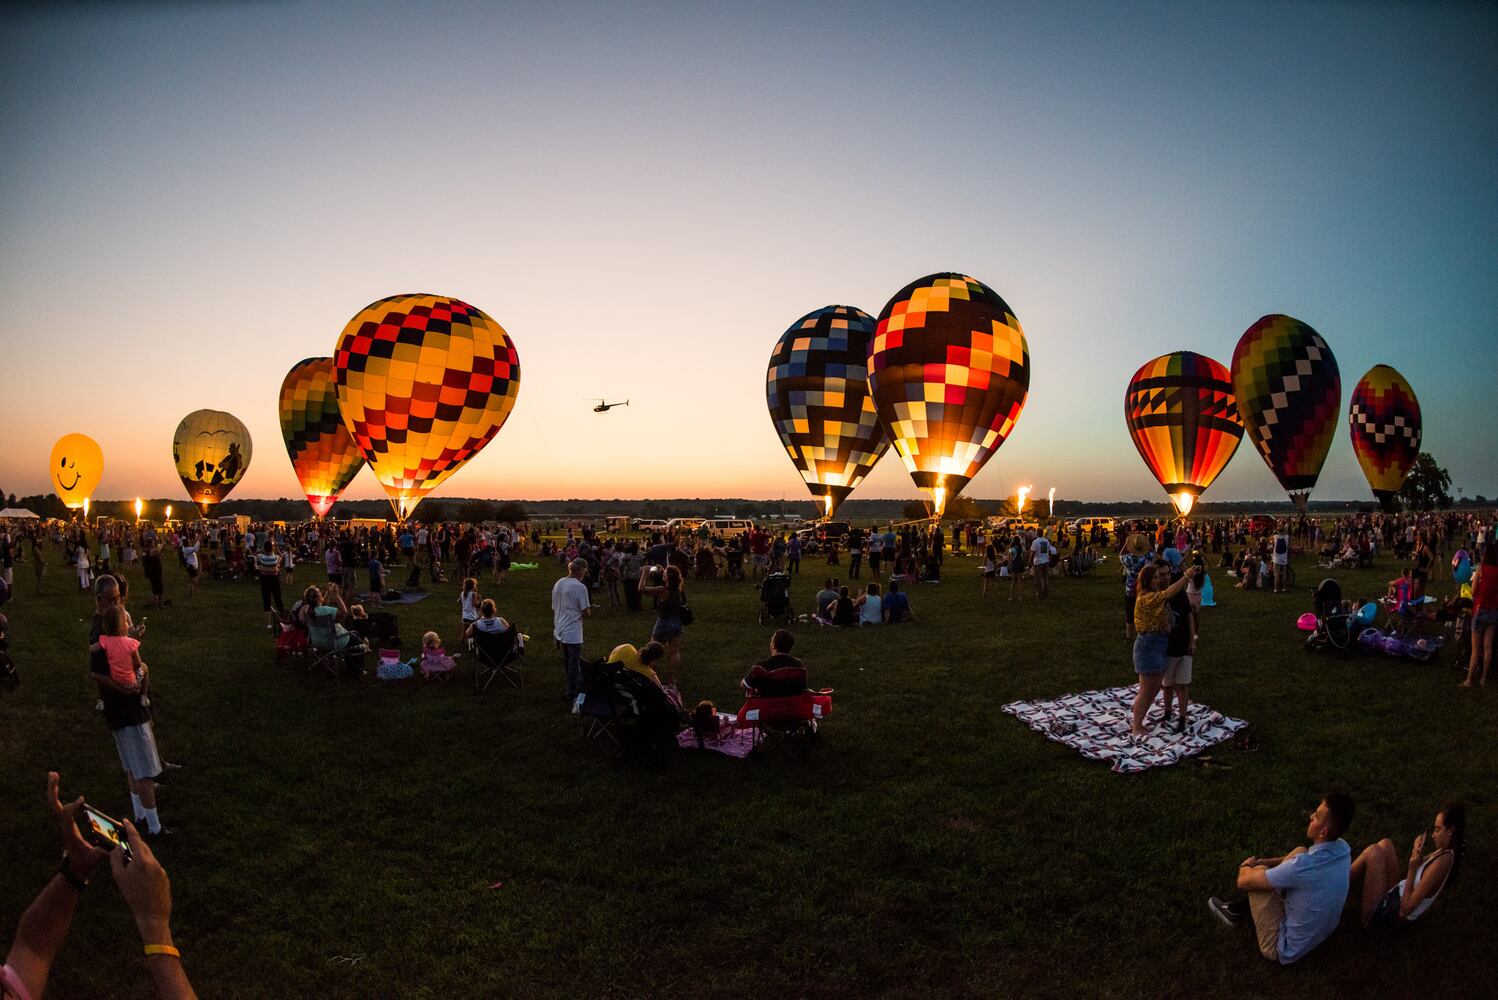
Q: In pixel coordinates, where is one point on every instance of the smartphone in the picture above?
(101, 831)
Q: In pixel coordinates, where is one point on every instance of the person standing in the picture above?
(38, 563)
(268, 566)
(150, 564)
(569, 606)
(1281, 558)
(670, 617)
(793, 554)
(1041, 554)
(1152, 628)
(1180, 650)
(1484, 613)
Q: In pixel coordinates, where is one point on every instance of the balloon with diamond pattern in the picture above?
(1384, 419)
(818, 394)
(424, 382)
(949, 371)
(1290, 398)
(322, 453)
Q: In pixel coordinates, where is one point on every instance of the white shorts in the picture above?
(1177, 671)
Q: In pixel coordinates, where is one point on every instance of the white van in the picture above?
(677, 525)
(1086, 524)
(728, 527)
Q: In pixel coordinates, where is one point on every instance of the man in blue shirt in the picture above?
(1296, 901)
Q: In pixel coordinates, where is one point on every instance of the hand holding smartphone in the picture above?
(106, 833)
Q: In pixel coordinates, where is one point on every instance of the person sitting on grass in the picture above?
(43, 928)
(1296, 901)
(780, 674)
(843, 611)
(434, 659)
(896, 607)
(826, 598)
(870, 606)
(1387, 904)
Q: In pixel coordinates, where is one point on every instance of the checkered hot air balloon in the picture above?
(1184, 421)
(818, 393)
(1385, 422)
(212, 451)
(949, 371)
(1290, 396)
(321, 450)
(424, 382)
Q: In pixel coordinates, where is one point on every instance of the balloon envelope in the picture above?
(1289, 393)
(818, 393)
(212, 451)
(75, 468)
(424, 382)
(321, 450)
(1184, 420)
(1384, 418)
(949, 370)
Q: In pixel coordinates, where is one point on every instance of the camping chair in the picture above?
(330, 650)
(785, 721)
(496, 654)
(594, 705)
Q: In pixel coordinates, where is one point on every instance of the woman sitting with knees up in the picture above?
(1388, 901)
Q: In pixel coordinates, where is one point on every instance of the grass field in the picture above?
(929, 847)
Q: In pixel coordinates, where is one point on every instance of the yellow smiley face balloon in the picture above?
(75, 467)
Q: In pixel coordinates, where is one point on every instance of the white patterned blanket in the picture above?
(1096, 725)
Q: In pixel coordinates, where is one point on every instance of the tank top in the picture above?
(1419, 873)
(1485, 594)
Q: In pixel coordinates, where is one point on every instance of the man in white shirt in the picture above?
(569, 606)
(1041, 554)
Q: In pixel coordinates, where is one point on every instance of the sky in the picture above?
(194, 196)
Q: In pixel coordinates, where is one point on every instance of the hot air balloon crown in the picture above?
(818, 395)
(424, 382)
(949, 370)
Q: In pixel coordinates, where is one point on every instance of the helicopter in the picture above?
(603, 407)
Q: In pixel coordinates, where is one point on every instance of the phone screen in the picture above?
(105, 832)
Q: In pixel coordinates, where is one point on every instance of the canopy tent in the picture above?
(18, 513)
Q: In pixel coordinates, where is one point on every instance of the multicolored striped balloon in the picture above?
(323, 454)
(1290, 397)
(949, 370)
(1385, 422)
(1184, 420)
(424, 382)
(818, 393)
(212, 450)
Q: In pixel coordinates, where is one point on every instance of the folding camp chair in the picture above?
(595, 704)
(496, 654)
(331, 651)
(785, 722)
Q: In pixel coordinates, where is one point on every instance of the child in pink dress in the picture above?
(434, 659)
(125, 665)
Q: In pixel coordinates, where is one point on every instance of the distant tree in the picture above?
(11, 500)
(1427, 487)
(963, 508)
(510, 513)
(474, 511)
(914, 510)
(435, 510)
(746, 510)
(1480, 500)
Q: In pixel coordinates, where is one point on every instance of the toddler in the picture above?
(125, 665)
(434, 659)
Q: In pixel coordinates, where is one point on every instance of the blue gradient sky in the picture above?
(194, 196)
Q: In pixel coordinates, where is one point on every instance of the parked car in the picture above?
(728, 527)
(1088, 523)
(650, 525)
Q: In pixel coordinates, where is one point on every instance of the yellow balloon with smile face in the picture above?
(75, 468)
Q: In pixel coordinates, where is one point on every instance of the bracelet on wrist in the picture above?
(65, 869)
(163, 949)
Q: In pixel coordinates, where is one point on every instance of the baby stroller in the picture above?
(1333, 627)
(775, 597)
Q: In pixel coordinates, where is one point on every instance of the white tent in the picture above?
(18, 513)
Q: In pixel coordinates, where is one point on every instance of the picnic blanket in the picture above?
(733, 742)
(1096, 725)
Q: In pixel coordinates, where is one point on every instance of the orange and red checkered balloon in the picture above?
(1385, 422)
(1184, 420)
(949, 370)
(424, 382)
(818, 392)
(321, 450)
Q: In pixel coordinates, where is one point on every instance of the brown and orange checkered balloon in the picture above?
(424, 382)
(322, 452)
(949, 371)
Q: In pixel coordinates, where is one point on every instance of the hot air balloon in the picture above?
(424, 382)
(76, 465)
(1184, 421)
(322, 453)
(818, 392)
(1385, 421)
(1289, 396)
(212, 451)
(949, 371)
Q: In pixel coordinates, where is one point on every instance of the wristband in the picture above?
(162, 949)
(65, 869)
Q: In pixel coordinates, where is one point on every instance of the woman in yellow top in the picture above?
(639, 660)
(1152, 630)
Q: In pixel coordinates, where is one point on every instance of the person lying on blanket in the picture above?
(1296, 901)
(779, 674)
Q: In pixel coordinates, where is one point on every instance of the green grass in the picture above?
(929, 847)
